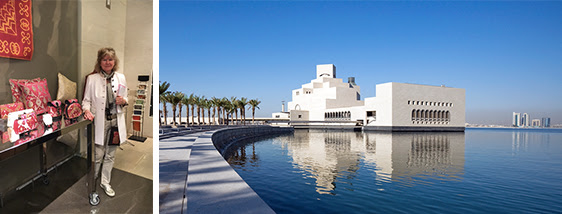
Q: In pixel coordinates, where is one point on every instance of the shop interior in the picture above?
(44, 167)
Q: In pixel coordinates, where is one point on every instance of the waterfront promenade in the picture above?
(194, 177)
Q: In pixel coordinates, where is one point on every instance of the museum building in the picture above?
(328, 102)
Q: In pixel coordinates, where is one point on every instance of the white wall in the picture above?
(434, 94)
(138, 50)
(127, 28)
(382, 103)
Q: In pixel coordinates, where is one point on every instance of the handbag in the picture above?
(22, 126)
(114, 137)
(5, 109)
(72, 111)
(55, 110)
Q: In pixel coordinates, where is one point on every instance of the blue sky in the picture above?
(507, 55)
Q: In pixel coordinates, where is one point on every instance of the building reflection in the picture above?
(327, 156)
(521, 139)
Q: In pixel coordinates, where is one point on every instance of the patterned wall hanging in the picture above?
(16, 29)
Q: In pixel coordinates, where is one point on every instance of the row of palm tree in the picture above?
(216, 107)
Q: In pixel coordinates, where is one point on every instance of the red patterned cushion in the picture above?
(7, 108)
(15, 86)
(36, 96)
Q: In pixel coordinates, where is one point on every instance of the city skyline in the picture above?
(525, 120)
(505, 54)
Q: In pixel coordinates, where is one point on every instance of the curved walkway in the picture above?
(194, 178)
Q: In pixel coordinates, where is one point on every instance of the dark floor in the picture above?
(36, 196)
(67, 193)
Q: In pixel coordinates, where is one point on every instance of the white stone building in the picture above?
(329, 102)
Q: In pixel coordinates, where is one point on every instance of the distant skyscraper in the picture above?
(536, 123)
(545, 122)
(525, 119)
(516, 119)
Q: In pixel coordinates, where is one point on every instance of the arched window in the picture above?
(414, 114)
(448, 116)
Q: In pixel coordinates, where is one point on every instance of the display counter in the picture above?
(30, 161)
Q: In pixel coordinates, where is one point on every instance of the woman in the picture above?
(105, 96)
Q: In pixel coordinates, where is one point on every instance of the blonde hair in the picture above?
(103, 52)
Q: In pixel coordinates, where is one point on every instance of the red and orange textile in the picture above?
(16, 29)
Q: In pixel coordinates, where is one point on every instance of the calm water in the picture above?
(481, 170)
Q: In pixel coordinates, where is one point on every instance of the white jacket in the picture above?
(94, 101)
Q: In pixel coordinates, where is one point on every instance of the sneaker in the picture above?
(108, 190)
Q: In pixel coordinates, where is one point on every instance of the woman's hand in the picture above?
(88, 115)
(120, 101)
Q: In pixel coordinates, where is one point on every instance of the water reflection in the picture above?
(520, 140)
(330, 157)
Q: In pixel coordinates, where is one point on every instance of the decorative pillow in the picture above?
(7, 108)
(36, 96)
(67, 88)
(15, 86)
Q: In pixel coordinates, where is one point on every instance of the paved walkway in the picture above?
(174, 159)
(194, 178)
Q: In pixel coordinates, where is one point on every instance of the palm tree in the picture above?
(180, 105)
(192, 99)
(231, 109)
(174, 99)
(224, 104)
(228, 111)
(199, 101)
(210, 106)
(162, 95)
(233, 102)
(217, 104)
(185, 101)
(242, 105)
(203, 103)
(253, 104)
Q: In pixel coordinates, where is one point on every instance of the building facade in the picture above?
(328, 101)
(545, 121)
(516, 119)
